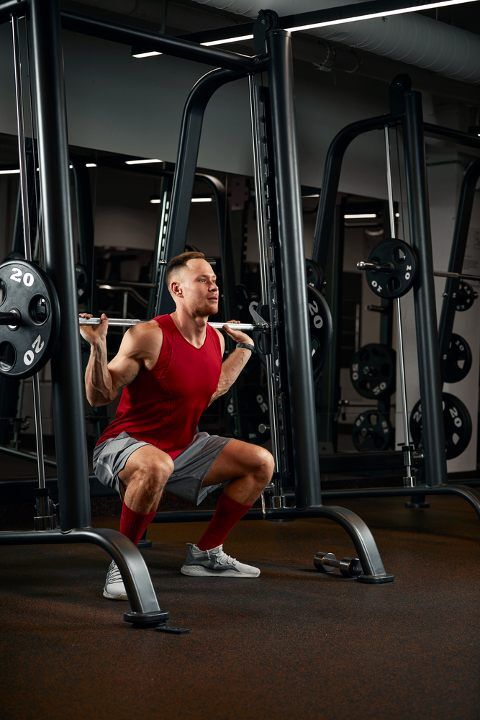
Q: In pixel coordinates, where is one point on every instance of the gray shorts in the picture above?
(189, 468)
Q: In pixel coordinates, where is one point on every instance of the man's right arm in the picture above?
(104, 380)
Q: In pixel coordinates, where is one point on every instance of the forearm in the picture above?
(231, 369)
(98, 380)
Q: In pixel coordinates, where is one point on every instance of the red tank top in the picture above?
(162, 406)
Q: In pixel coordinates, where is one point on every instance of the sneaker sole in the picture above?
(109, 596)
(199, 571)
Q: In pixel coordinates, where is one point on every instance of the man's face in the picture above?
(194, 286)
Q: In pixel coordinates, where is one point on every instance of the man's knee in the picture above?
(152, 476)
(262, 464)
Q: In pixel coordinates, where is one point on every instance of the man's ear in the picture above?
(176, 288)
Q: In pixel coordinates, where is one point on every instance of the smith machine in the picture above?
(284, 300)
(393, 268)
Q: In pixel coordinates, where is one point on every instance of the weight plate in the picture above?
(399, 266)
(464, 296)
(457, 423)
(372, 430)
(315, 274)
(253, 413)
(27, 291)
(321, 329)
(456, 363)
(373, 371)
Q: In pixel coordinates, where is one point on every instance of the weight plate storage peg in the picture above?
(464, 296)
(457, 423)
(373, 371)
(27, 295)
(372, 430)
(395, 269)
(456, 363)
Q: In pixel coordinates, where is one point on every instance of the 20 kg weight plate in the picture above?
(321, 329)
(373, 371)
(397, 269)
(27, 291)
(372, 430)
(456, 363)
(457, 423)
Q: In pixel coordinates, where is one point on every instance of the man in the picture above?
(169, 370)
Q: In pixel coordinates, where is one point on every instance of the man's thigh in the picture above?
(236, 460)
(193, 465)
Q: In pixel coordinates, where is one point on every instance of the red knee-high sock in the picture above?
(227, 513)
(133, 524)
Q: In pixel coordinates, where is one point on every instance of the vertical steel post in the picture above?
(290, 237)
(68, 402)
(424, 293)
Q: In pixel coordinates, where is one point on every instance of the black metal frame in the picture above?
(407, 113)
(457, 254)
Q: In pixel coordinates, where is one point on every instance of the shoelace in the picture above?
(114, 575)
(225, 559)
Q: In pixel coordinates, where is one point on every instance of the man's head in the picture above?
(192, 284)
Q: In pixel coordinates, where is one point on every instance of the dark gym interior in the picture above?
(325, 157)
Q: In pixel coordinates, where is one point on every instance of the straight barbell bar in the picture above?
(13, 319)
(128, 322)
(390, 267)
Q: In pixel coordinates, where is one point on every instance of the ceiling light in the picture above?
(380, 14)
(9, 172)
(149, 53)
(360, 216)
(312, 195)
(225, 41)
(144, 161)
(343, 11)
(90, 164)
(157, 200)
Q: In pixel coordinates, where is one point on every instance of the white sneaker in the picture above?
(114, 588)
(215, 563)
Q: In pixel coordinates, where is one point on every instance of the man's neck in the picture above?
(193, 329)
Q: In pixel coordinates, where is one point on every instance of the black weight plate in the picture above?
(372, 430)
(457, 362)
(400, 266)
(253, 412)
(321, 329)
(315, 274)
(27, 290)
(464, 296)
(457, 423)
(373, 371)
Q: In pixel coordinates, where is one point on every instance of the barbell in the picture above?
(391, 270)
(129, 322)
(30, 321)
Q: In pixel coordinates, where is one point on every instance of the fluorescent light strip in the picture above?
(356, 18)
(151, 53)
(227, 40)
(312, 195)
(384, 13)
(157, 201)
(360, 216)
(90, 164)
(142, 162)
(9, 172)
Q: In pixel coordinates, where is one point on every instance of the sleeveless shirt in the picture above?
(162, 406)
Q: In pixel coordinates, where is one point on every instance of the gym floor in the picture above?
(292, 644)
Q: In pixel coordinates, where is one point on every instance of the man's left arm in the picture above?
(234, 364)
